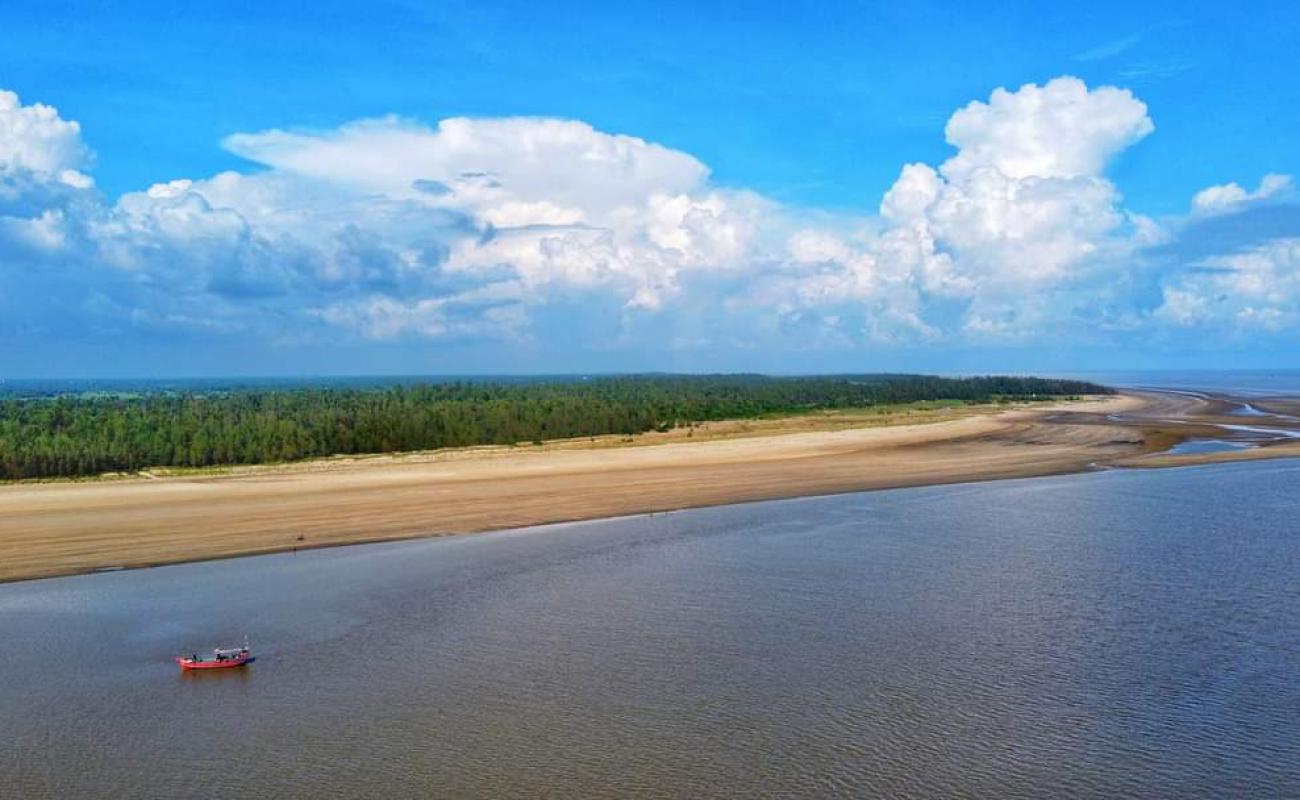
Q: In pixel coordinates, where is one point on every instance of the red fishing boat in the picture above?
(221, 658)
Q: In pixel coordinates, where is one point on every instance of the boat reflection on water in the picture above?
(216, 677)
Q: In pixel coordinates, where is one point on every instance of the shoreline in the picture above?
(69, 528)
(823, 421)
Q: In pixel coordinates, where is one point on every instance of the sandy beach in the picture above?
(64, 528)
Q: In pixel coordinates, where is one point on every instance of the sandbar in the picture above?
(50, 529)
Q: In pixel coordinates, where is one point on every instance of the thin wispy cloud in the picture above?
(1140, 71)
(1108, 49)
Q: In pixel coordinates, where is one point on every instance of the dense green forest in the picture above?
(75, 435)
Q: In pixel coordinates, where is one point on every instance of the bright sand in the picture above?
(60, 528)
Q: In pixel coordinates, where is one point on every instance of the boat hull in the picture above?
(228, 663)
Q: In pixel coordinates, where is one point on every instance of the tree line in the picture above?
(78, 435)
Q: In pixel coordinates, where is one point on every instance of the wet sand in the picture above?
(64, 528)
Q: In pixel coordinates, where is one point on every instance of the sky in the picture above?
(280, 188)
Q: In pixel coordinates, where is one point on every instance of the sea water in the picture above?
(1121, 633)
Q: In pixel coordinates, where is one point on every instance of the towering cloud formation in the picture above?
(389, 228)
(1060, 130)
(1019, 212)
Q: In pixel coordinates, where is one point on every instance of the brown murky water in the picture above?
(1104, 635)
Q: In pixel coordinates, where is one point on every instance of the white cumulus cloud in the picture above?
(1020, 211)
(390, 228)
(1062, 129)
(1229, 197)
(35, 138)
(1251, 291)
(555, 202)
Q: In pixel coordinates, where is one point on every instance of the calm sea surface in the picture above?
(1257, 382)
(1102, 635)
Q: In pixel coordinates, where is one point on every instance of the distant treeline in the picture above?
(87, 435)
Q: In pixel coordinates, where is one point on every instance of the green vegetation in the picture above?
(72, 435)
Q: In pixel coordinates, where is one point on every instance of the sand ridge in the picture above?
(63, 528)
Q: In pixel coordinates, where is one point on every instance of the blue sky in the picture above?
(744, 231)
